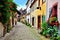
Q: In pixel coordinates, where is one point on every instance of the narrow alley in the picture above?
(21, 32)
(29, 20)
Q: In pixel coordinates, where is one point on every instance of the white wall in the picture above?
(28, 17)
(28, 11)
(34, 6)
(59, 10)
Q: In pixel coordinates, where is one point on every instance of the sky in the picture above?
(20, 4)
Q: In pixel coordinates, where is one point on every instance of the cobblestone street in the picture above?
(29, 20)
(20, 32)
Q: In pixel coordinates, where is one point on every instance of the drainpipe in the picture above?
(46, 9)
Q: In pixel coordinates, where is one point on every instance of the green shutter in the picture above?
(43, 18)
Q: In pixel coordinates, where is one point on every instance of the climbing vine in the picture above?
(6, 7)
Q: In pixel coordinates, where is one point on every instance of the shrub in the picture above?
(50, 31)
(58, 37)
(53, 19)
(29, 25)
(9, 28)
(44, 28)
(54, 33)
(26, 23)
(44, 25)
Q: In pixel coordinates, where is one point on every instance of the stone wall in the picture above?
(1, 29)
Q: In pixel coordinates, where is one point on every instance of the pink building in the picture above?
(53, 9)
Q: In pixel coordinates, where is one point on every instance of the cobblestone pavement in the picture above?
(20, 32)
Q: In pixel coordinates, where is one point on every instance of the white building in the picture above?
(28, 11)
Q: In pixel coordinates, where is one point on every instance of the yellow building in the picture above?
(23, 15)
(22, 18)
(38, 12)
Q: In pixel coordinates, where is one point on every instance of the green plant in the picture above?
(44, 32)
(7, 7)
(44, 28)
(26, 23)
(54, 33)
(55, 28)
(58, 37)
(50, 20)
(29, 25)
(55, 19)
(49, 31)
(44, 25)
(9, 28)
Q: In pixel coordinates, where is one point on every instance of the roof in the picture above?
(23, 12)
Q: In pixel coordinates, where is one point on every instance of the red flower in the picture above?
(57, 24)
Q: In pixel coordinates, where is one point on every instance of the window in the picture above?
(33, 21)
(43, 1)
(28, 20)
(50, 12)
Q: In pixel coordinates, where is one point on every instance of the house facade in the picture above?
(28, 11)
(37, 12)
(53, 9)
(22, 15)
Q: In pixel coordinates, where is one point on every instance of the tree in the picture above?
(6, 7)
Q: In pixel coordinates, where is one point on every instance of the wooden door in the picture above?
(39, 22)
(28, 20)
(33, 21)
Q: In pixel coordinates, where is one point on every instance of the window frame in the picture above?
(43, 1)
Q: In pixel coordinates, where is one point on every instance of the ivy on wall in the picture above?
(6, 7)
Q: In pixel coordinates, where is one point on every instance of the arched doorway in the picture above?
(54, 10)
